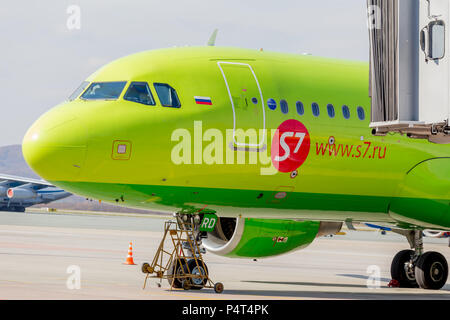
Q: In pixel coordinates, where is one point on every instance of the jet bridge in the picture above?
(410, 68)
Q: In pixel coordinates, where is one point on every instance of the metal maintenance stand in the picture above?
(180, 260)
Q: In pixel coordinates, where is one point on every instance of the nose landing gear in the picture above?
(413, 268)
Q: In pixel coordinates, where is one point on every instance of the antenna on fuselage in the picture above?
(212, 39)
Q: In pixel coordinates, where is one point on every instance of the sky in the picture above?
(47, 49)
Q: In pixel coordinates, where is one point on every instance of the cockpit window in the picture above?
(104, 91)
(167, 95)
(78, 91)
(139, 92)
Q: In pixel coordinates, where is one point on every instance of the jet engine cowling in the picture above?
(21, 193)
(259, 238)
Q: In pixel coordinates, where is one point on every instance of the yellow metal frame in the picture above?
(166, 258)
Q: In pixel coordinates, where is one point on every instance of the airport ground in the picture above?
(37, 247)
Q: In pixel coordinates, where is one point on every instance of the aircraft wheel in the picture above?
(401, 271)
(432, 271)
(198, 283)
(177, 269)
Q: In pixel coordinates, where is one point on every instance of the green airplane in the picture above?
(277, 146)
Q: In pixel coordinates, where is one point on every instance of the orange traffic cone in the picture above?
(129, 260)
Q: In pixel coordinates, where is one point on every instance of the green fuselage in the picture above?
(348, 173)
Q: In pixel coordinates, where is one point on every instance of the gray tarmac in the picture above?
(39, 252)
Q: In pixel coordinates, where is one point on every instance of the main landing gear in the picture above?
(414, 268)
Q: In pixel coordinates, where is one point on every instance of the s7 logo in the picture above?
(290, 146)
(287, 150)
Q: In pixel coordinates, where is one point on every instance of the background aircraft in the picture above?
(17, 193)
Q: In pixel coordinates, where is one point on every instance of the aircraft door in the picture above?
(247, 104)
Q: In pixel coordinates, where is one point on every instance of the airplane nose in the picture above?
(55, 146)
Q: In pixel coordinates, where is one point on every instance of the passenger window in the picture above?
(272, 104)
(331, 112)
(167, 95)
(346, 112)
(104, 91)
(361, 113)
(139, 92)
(315, 109)
(284, 106)
(300, 108)
(78, 91)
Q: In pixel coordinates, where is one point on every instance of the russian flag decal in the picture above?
(203, 100)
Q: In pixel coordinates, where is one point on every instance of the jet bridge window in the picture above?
(437, 40)
(167, 95)
(78, 91)
(104, 91)
(432, 40)
(139, 92)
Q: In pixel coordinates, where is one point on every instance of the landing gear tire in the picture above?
(431, 271)
(198, 283)
(402, 271)
(177, 269)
